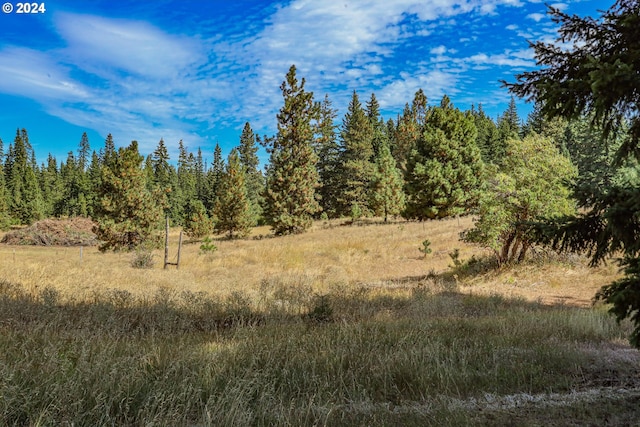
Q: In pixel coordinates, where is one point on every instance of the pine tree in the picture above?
(328, 154)
(356, 153)
(186, 189)
(108, 152)
(128, 214)
(488, 138)
(387, 193)
(165, 181)
(199, 176)
(84, 152)
(233, 211)
(197, 223)
(25, 198)
(213, 179)
(445, 168)
(4, 208)
(255, 181)
(94, 181)
(84, 186)
(292, 177)
(51, 185)
(405, 137)
(597, 76)
(508, 128)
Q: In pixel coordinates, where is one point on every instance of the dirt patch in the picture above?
(76, 231)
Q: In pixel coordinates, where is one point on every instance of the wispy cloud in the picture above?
(141, 82)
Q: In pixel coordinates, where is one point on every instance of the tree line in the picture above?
(431, 161)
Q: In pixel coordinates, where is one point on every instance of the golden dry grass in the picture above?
(330, 254)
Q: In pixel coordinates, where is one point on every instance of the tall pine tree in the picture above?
(445, 168)
(255, 181)
(128, 214)
(387, 190)
(328, 153)
(292, 177)
(356, 154)
(233, 210)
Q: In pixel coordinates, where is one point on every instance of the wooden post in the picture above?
(166, 242)
(179, 249)
(80, 253)
(166, 246)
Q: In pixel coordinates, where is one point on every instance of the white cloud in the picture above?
(148, 83)
(30, 73)
(440, 50)
(131, 46)
(435, 84)
(536, 16)
(511, 27)
(510, 59)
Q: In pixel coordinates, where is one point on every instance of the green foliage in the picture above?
(597, 78)
(207, 246)
(25, 201)
(328, 165)
(128, 215)
(426, 247)
(488, 139)
(356, 155)
(254, 179)
(455, 257)
(232, 211)
(292, 177)
(445, 169)
(197, 223)
(533, 184)
(387, 193)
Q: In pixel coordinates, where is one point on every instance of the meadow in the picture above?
(342, 325)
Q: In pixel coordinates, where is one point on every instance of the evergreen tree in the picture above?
(84, 153)
(233, 211)
(328, 154)
(555, 128)
(200, 176)
(185, 189)
(378, 129)
(165, 181)
(108, 152)
(387, 193)
(128, 214)
(197, 223)
(488, 139)
(255, 181)
(84, 186)
(598, 77)
(356, 153)
(94, 181)
(214, 177)
(25, 198)
(51, 186)
(508, 128)
(292, 177)
(445, 168)
(405, 137)
(4, 208)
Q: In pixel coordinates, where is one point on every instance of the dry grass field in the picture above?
(378, 255)
(340, 326)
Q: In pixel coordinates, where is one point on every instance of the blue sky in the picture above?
(198, 70)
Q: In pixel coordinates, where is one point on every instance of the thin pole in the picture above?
(179, 250)
(166, 242)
